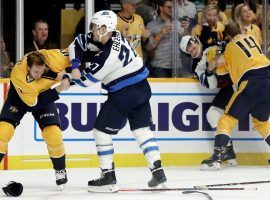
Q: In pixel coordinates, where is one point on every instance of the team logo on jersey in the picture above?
(29, 78)
(13, 109)
(134, 40)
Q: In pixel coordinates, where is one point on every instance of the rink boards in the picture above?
(183, 134)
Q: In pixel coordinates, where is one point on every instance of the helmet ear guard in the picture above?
(13, 189)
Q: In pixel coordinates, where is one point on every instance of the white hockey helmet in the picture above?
(105, 17)
(184, 43)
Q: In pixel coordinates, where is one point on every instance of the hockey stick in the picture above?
(177, 189)
(197, 192)
(231, 184)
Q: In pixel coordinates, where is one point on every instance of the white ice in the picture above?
(40, 184)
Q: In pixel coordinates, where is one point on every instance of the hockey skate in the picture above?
(105, 184)
(158, 176)
(230, 156)
(61, 178)
(220, 156)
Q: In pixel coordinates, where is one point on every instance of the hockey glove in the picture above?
(13, 189)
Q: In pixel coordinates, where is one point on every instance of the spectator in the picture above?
(243, 16)
(40, 37)
(146, 10)
(160, 44)
(222, 17)
(211, 30)
(187, 9)
(131, 25)
(6, 65)
(221, 6)
(254, 5)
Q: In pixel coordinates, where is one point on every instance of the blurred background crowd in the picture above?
(153, 27)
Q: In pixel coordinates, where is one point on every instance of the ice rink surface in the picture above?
(40, 184)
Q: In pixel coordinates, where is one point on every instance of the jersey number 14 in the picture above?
(251, 45)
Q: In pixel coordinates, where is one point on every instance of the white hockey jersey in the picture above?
(115, 64)
(208, 81)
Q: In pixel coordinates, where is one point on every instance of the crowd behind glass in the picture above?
(159, 23)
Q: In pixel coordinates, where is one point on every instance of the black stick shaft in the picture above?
(177, 189)
(232, 184)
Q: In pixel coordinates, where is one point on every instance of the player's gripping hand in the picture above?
(75, 73)
(65, 84)
(211, 66)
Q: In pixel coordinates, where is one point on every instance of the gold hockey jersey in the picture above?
(27, 88)
(132, 30)
(255, 31)
(242, 54)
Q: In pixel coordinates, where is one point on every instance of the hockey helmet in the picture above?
(105, 17)
(186, 41)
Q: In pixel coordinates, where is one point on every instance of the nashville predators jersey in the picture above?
(28, 88)
(132, 30)
(242, 54)
(255, 31)
(208, 36)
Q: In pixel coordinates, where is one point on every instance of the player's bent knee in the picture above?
(53, 137)
(143, 134)
(6, 133)
(101, 137)
(213, 115)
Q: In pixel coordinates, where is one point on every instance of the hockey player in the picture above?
(123, 75)
(29, 91)
(249, 69)
(205, 70)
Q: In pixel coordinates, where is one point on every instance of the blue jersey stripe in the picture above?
(91, 78)
(79, 82)
(129, 81)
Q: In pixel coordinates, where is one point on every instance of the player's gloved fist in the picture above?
(75, 73)
(13, 189)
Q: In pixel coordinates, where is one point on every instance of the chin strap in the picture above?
(100, 36)
(199, 52)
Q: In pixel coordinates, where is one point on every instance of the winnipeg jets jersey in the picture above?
(208, 81)
(115, 64)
